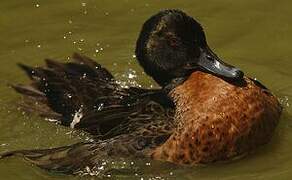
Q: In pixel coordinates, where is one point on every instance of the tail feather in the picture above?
(80, 87)
(27, 69)
(28, 90)
(67, 159)
(65, 88)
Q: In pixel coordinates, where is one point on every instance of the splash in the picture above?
(284, 101)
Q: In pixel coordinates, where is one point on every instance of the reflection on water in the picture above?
(253, 35)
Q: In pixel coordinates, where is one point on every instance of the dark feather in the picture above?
(83, 87)
(82, 94)
(143, 132)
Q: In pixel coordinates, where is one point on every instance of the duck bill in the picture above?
(210, 62)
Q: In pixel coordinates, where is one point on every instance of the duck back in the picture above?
(217, 120)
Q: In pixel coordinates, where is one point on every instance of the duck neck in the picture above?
(173, 84)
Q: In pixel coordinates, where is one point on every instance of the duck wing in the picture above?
(81, 94)
(137, 137)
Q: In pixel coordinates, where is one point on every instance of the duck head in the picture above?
(172, 45)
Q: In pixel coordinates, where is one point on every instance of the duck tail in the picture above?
(62, 90)
(67, 159)
(82, 94)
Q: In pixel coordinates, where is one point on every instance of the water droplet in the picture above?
(37, 5)
(70, 21)
(39, 46)
(100, 106)
(131, 76)
(101, 168)
(84, 75)
(284, 101)
(83, 4)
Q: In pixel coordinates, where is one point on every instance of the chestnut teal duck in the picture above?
(204, 111)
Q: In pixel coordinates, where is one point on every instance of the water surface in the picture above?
(253, 35)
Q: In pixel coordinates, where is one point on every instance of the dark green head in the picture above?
(172, 44)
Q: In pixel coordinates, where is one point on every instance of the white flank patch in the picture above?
(77, 117)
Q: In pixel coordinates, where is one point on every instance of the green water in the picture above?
(253, 35)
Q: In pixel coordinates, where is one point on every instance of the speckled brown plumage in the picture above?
(217, 120)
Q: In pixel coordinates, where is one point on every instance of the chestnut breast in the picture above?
(217, 120)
